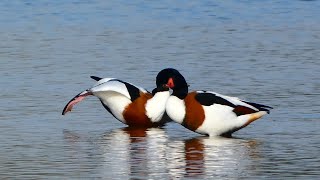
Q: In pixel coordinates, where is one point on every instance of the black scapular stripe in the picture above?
(208, 99)
(133, 91)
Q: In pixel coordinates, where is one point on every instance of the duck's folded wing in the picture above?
(240, 107)
(128, 90)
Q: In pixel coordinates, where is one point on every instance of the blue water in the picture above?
(263, 51)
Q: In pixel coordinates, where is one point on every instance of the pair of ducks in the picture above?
(204, 112)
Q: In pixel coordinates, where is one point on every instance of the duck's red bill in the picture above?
(75, 100)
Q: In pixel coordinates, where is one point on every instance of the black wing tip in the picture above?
(269, 107)
(95, 78)
(261, 107)
(266, 109)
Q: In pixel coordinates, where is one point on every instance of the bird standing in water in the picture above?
(130, 104)
(207, 112)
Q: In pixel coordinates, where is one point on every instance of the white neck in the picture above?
(155, 107)
(176, 109)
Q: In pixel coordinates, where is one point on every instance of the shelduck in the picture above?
(207, 112)
(130, 104)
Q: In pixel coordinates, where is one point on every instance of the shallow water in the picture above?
(265, 52)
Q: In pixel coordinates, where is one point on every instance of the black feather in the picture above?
(134, 92)
(96, 78)
(208, 99)
(260, 107)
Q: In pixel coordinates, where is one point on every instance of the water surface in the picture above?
(265, 52)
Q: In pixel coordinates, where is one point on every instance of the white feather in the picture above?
(101, 81)
(218, 119)
(115, 101)
(108, 86)
(155, 107)
(176, 109)
(114, 94)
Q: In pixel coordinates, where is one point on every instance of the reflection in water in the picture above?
(210, 157)
(194, 157)
(131, 153)
(49, 48)
(134, 153)
(137, 150)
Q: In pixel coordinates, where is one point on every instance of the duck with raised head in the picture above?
(207, 112)
(130, 104)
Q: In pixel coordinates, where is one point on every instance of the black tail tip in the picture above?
(95, 78)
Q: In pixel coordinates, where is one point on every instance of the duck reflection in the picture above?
(135, 152)
(194, 157)
(210, 157)
(131, 153)
(137, 149)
